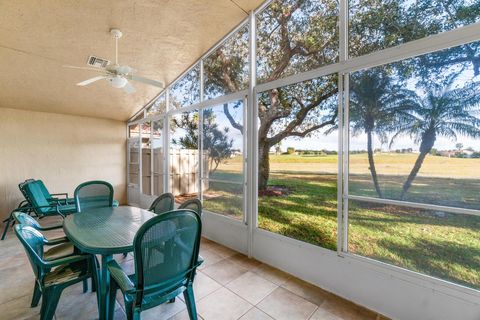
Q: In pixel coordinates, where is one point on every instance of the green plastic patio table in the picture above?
(105, 232)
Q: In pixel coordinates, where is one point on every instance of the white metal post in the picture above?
(340, 165)
(346, 158)
(128, 163)
(152, 173)
(200, 136)
(166, 144)
(343, 56)
(140, 172)
(244, 160)
(251, 124)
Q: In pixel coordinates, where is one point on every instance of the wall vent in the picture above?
(97, 62)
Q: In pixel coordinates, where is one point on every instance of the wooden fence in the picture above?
(184, 171)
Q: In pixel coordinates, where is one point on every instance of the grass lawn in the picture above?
(440, 244)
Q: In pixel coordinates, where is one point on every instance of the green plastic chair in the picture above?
(196, 206)
(54, 197)
(93, 194)
(39, 204)
(49, 202)
(36, 203)
(24, 206)
(63, 247)
(166, 258)
(25, 218)
(192, 204)
(52, 276)
(163, 203)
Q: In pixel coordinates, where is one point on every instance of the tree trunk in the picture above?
(371, 164)
(413, 174)
(263, 165)
(428, 140)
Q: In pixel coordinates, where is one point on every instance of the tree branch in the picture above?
(314, 128)
(232, 121)
(300, 117)
(285, 45)
(226, 77)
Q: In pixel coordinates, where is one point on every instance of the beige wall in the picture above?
(62, 150)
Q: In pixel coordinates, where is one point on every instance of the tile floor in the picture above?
(227, 286)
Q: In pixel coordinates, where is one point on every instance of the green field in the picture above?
(440, 244)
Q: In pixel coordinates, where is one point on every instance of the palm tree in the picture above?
(376, 101)
(444, 111)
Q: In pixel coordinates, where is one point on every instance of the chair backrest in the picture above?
(25, 219)
(192, 204)
(44, 189)
(32, 241)
(93, 194)
(21, 186)
(163, 203)
(166, 252)
(34, 195)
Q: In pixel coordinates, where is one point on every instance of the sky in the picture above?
(358, 142)
(330, 142)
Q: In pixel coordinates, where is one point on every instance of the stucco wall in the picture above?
(62, 150)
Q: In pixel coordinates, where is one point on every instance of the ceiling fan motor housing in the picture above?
(117, 81)
(117, 34)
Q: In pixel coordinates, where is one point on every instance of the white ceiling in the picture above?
(161, 39)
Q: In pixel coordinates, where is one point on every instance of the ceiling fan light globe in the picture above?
(118, 82)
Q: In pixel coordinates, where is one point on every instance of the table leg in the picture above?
(103, 287)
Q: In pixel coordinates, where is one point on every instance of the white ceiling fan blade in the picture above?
(88, 81)
(128, 88)
(84, 68)
(146, 80)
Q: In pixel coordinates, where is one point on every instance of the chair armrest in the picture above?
(58, 207)
(60, 194)
(56, 241)
(65, 260)
(200, 260)
(120, 277)
(60, 201)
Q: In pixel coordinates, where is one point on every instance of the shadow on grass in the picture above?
(440, 258)
(463, 193)
(308, 214)
(379, 217)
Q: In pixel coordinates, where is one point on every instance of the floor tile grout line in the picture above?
(316, 305)
(276, 287)
(289, 276)
(206, 275)
(252, 306)
(305, 298)
(15, 298)
(228, 281)
(209, 293)
(302, 297)
(315, 310)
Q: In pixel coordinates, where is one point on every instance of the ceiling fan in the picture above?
(117, 75)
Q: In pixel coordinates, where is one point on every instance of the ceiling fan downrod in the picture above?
(117, 34)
